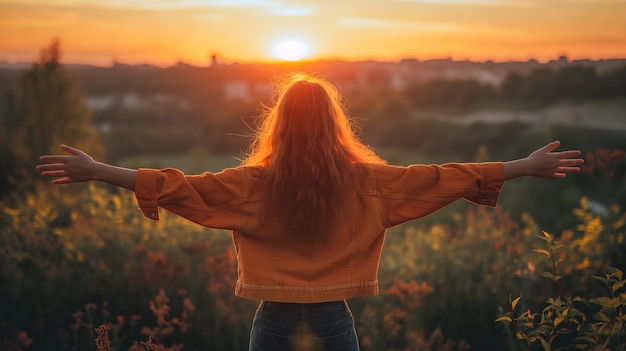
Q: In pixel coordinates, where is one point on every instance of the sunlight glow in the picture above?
(291, 50)
(164, 32)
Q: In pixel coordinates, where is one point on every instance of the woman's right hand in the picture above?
(544, 163)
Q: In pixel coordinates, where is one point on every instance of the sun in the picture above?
(291, 50)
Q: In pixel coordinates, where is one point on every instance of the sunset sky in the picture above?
(163, 32)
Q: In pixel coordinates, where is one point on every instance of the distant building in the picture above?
(214, 60)
(99, 103)
(237, 90)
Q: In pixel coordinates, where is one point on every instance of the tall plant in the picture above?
(46, 110)
(572, 323)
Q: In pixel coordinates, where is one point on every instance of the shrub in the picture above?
(577, 323)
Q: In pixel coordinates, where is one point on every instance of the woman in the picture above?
(308, 209)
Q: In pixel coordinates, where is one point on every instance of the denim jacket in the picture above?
(292, 269)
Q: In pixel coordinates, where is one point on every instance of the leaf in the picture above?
(547, 235)
(542, 251)
(580, 299)
(545, 344)
(601, 316)
(504, 319)
(515, 302)
(558, 320)
(586, 343)
(606, 301)
(542, 238)
(588, 339)
(618, 285)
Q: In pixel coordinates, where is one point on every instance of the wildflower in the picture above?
(121, 320)
(102, 340)
(147, 331)
(24, 340)
(188, 304)
(78, 320)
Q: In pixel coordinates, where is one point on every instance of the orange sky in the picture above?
(163, 32)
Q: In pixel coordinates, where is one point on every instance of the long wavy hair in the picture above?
(308, 148)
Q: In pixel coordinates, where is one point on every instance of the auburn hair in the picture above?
(308, 148)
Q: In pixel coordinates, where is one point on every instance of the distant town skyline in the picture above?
(163, 32)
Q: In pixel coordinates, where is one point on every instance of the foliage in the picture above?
(46, 110)
(594, 318)
(468, 263)
(183, 100)
(577, 323)
(544, 86)
(461, 95)
(62, 251)
(82, 256)
(606, 169)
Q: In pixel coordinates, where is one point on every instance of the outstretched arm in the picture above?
(77, 166)
(544, 163)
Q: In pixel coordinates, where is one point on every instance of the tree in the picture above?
(46, 110)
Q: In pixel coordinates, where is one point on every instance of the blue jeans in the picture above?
(324, 326)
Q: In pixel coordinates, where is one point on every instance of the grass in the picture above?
(194, 162)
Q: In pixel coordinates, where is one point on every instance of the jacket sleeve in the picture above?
(211, 199)
(412, 192)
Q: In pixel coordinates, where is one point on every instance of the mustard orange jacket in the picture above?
(290, 269)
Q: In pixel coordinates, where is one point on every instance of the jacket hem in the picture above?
(308, 294)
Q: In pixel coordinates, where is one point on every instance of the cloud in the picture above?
(499, 3)
(457, 2)
(234, 3)
(406, 26)
(152, 4)
(365, 22)
(289, 12)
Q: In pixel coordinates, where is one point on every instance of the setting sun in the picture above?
(291, 50)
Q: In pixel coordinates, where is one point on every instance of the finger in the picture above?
(558, 175)
(568, 169)
(50, 167)
(551, 146)
(63, 181)
(71, 150)
(571, 162)
(54, 174)
(55, 158)
(567, 154)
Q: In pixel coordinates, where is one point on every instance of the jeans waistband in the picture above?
(304, 307)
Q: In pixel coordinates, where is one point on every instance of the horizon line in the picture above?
(557, 58)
